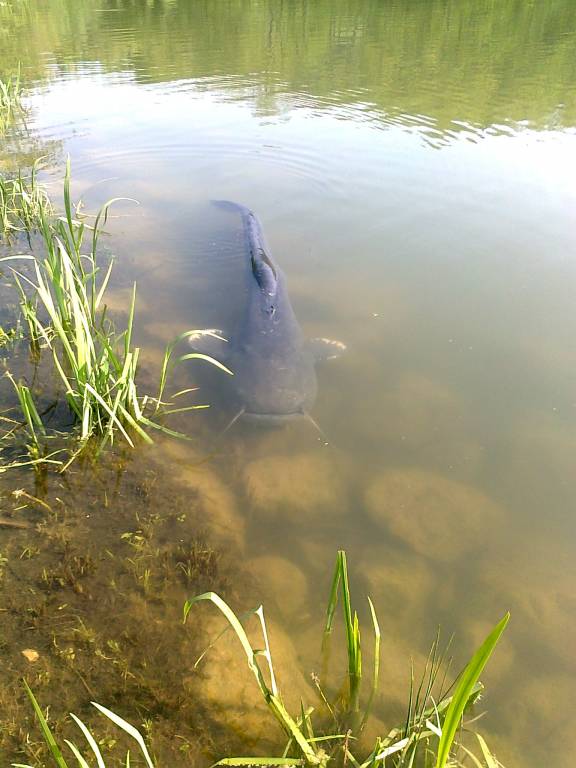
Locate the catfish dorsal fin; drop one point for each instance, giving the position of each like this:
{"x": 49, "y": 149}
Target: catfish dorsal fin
{"x": 265, "y": 274}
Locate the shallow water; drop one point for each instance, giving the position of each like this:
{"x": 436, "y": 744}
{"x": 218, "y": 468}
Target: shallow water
{"x": 413, "y": 167}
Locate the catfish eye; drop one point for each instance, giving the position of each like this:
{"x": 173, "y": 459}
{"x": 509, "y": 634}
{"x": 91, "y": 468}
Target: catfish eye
{"x": 272, "y": 310}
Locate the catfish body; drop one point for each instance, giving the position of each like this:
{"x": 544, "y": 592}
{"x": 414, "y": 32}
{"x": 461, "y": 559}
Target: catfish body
{"x": 272, "y": 363}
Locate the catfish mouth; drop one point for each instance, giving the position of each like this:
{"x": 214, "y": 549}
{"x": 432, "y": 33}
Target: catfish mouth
{"x": 271, "y": 419}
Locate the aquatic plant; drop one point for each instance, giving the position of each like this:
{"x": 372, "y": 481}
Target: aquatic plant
{"x": 431, "y": 723}
{"x": 56, "y": 751}
{"x": 62, "y": 302}
{"x": 23, "y": 202}
{"x": 8, "y": 337}
{"x": 10, "y": 101}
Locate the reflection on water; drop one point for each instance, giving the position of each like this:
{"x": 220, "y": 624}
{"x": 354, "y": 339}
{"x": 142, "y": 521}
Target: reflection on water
{"x": 410, "y": 165}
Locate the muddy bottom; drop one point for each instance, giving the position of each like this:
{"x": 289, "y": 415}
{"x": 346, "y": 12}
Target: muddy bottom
{"x": 91, "y": 598}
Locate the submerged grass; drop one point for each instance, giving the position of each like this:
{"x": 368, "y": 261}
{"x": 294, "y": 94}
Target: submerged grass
{"x": 428, "y": 738}
{"x": 80, "y": 761}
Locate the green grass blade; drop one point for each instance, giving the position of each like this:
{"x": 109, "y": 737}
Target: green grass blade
{"x": 463, "y": 691}
{"x": 76, "y": 752}
{"x": 352, "y": 636}
{"x": 491, "y": 761}
{"x": 292, "y": 730}
{"x": 91, "y": 741}
{"x": 238, "y": 629}
{"x": 476, "y": 763}
{"x": 376, "y": 667}
{"x": 128, "y": 728}
{"x": 134, "y": 424}
{"x": 333, "y": 599}
{"x": 46, "y": 732}
{"x": 110, "y": 413}
{"x": 128, "y": 334}
{"x": 274, "y": 703}
{"x": 103, "y": 286}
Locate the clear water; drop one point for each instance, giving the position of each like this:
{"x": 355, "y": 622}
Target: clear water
{"x": 413, "y": 166}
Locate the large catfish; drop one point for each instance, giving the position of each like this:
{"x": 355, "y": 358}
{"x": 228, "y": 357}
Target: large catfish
{"x": 272, "y": 362}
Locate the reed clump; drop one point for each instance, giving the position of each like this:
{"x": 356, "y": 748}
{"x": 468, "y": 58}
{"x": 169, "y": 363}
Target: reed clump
{"x": 62, "y": 300}
{"x": 10, "y": 101}
{"x": 327, "y": 732}
{"x": 24, "y": 203}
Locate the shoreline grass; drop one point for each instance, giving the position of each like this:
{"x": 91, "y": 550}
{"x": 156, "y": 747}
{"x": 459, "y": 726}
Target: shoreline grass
{"x": 10, "y": 101}
{"x": 63, "y": 305}
{"x": 23, "y": 203}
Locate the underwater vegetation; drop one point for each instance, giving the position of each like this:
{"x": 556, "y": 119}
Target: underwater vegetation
{"x": 62, "y": 302}
{"x": 432, "y": 734}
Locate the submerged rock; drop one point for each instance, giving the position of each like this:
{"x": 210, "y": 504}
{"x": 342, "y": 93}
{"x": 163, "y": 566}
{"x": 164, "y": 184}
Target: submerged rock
{"x": 218, "y": 508}
{"x": 305, "y": 486}
{"x": 228, "y": 687}
{"x": 280, "y": 583}
{"x": 437, "y": 517}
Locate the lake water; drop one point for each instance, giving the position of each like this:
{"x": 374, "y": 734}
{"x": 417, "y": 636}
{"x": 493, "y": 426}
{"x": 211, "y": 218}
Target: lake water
{"x": 413, "y": 165}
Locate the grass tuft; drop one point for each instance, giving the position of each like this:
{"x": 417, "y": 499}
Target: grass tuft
{"x": 62, "y": 303}
{"x": 23, "y": 203}
{"x": 430, "y": 727}
{"x": 10, "y": 101}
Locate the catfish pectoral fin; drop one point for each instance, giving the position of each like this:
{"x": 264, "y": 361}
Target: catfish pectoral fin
{"x": 325, "y": 349}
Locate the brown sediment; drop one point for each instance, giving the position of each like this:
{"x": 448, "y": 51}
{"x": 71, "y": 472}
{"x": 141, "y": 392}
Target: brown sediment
{"x": 415, "y": 410}
{"x": 536, "y": 469}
